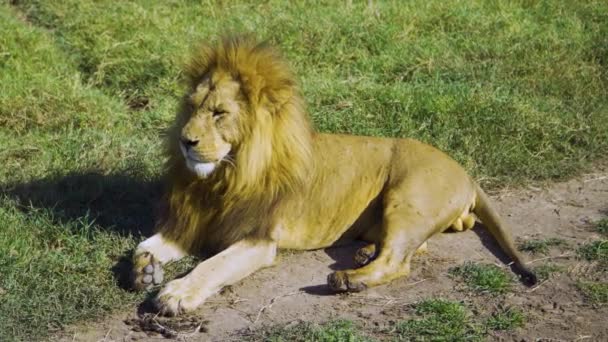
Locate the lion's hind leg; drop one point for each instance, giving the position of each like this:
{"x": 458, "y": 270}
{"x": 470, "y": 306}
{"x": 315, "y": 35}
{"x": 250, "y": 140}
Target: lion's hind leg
{"x": 389, "y": 265}
{"x": 403, "y": 235}
{"x": 366, "y": 254}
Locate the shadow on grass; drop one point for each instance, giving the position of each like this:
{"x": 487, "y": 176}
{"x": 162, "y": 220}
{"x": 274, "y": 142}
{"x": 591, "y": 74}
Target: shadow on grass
{"x": 116, "y": 203}
{"x": 492, "y": 245}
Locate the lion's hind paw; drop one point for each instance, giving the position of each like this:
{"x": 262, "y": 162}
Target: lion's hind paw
{"x": 340, "y": 281}
{"x": 365, "y": 255}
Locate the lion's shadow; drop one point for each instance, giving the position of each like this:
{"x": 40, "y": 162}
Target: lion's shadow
{"x": 118, "y": 203}
{"x": 122, "y": 204}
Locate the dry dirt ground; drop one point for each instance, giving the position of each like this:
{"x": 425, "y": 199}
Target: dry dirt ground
{"x": 294, "y": 290}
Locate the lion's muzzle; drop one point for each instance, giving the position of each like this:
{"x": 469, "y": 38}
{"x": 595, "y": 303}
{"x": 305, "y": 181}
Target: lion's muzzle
{"x": 201, "y": 168}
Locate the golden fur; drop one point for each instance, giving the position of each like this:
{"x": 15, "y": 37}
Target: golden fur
{"x": 246, "y": 174}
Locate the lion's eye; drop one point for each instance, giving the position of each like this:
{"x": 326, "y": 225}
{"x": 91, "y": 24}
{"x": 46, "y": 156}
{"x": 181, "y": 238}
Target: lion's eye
{"x": 218, "y": 113}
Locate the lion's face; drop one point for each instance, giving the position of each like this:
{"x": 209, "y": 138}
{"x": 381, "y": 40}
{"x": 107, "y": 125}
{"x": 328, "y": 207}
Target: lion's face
{"x": 212, "y": 129}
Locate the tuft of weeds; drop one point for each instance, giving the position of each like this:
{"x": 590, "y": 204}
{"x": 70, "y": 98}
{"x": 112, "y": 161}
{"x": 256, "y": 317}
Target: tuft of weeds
{"x": 547, "y": 270}
{"x": 335, "y": 331}
{"x": 505, "y": 319}
{"x": 595, "y": 251}
{"x": 602, "y": 226}
{"x": 439, "y": 320}
{"x": 483, "y": 277}
{"x": 541, "y": 246}
{"x": 595, "y": 292}
{"x": 179, "y": 268}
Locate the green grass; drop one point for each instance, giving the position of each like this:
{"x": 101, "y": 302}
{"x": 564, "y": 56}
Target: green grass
{"x": 595, "y": 292}
{"x": 439, "y": 320}
{"x": 541, "y": 246}
{"x": 602, "y": 226}
{"x": 335, "y": 331}
{"x": 506, "y": 319}
{"x": 515, "y": 91}
{"x": 547, "y": 270}
{"x": 483, "y": 278}
{"x": 53, "y": 274}
{"x": 595, "y": 251}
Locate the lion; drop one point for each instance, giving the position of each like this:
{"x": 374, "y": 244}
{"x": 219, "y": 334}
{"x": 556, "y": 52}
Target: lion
{"x": 246, "y": 174}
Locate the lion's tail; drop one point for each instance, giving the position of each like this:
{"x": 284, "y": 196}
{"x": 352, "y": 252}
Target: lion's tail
{"x": 490, "y": 218}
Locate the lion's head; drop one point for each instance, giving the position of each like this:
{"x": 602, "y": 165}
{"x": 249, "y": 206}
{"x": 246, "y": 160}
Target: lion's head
{"x": 243, "y": 115}
{"x": 242, "y": 137}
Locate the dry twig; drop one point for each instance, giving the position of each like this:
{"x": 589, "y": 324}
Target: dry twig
{"x": 565, "y": 255}
{"x": 272, "y": 301}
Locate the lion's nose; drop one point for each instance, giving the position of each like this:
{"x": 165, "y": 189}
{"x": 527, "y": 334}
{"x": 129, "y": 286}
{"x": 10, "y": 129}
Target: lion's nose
{"x": 189, "y": 143}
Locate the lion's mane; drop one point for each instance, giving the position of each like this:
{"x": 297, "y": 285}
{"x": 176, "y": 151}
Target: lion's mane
{"x": 271, "y": 162}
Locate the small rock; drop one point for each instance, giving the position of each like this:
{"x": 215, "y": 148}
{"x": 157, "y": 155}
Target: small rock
{"x": 547, "y": 308}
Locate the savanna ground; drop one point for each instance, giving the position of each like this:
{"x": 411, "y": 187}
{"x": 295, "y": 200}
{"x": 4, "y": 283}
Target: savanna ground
{"x": 516, "y": 91}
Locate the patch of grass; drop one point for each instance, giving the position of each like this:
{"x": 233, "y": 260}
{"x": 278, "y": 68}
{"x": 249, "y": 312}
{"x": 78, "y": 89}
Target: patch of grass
{"x": 595, "y": 292}
{"x": 545, "y": 271}
{"x": 514, "y": 91}
{"x": 180, "y": 267}
{"x": 54, "y": 274}
{"x": 51, "y": 124}
{"x": 483, "y": 277}
{"x": 336, "y": 331}
{"x": 541, "y": 246}
{"x": 506, "y": 319}
{"x": 438, "y": 320}
{"x": 595, "y": 251}
{"x": 57, "y": 250}
{"x": 602, "y": 226}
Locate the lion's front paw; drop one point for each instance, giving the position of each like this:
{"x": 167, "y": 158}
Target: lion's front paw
{"x": 177, "y": 298}
{"x": 340, "y": 281}
{"x": 147, "y": 271}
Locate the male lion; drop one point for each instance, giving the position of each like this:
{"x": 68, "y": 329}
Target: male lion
{"x": 246, "y": 174}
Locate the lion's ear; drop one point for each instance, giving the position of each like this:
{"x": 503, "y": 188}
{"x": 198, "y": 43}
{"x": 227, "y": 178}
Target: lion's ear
{"x": 274, "y": 98}
{"x": 262, "y": 95}
{"x": 251, "y": 87}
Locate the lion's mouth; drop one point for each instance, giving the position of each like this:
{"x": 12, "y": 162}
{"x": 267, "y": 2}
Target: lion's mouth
{"x": 200, "y": 168}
